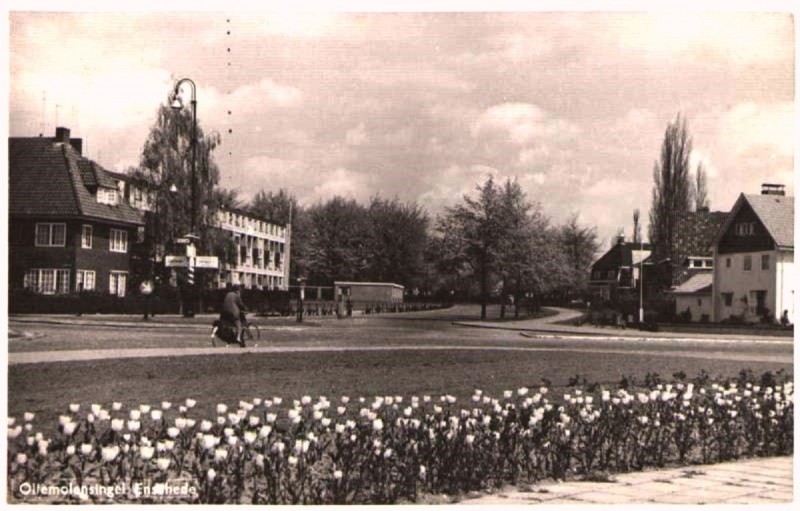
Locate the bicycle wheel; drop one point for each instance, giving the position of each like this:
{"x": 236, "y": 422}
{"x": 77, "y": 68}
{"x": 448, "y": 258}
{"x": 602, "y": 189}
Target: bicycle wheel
{"x": 254, "y": 331}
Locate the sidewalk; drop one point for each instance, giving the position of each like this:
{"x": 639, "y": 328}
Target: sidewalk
{"x": 547, "y": 327}
{"x": 752, "y": 481}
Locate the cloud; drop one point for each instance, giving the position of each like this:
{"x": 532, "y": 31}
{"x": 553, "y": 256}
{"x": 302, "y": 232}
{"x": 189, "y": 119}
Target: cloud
{"x": 339, "y": 181}
{"x": 522, "y": 123}
{"x": 768, "y": 126}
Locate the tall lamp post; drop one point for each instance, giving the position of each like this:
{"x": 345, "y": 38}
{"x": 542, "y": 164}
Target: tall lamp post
{"x": 177, "y": 104}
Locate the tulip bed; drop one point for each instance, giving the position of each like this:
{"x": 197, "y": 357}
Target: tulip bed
{"x": 390, "y": 449}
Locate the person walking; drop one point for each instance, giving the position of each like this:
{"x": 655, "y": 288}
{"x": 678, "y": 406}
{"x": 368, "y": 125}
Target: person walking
{"x": 146, "y": 290}
{"x": 232, "y": 308}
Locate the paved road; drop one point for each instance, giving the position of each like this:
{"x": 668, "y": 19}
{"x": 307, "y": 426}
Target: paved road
{"x": 70, "y": 338}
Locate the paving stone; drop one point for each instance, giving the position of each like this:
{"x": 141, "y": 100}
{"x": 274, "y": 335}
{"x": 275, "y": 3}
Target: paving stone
{"x": 599, "y": 497}
{"x": 656, "y": 488}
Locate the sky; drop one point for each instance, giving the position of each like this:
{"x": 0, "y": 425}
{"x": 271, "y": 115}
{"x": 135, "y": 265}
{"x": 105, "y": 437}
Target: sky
{"x": 424, "y": 106}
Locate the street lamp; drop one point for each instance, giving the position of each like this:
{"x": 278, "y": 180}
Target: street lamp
{"x": 177, "y": 104}
{"x": 302, "y": 282}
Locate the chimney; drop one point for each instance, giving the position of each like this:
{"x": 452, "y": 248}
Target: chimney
{"x": 62, "y": 137}
{"x": 621, "y": 239}
{"x": 772, "y": 189}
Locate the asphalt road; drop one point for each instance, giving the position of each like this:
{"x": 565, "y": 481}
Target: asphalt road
{"x": 66, "y": 338}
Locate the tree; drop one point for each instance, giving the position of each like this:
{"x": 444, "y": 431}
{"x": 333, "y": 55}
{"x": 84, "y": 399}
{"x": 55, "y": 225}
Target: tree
{"x": 671, "y": 195}
{"x": 337, "y": 236}
{"x": 397, "y": 237}
{"x": 580, "y": 248}
{"x": 700, "y": 188}
{"x": 276, "y": 207}
{"x": 166, "y": 165}
{"x": 473, "y": 232}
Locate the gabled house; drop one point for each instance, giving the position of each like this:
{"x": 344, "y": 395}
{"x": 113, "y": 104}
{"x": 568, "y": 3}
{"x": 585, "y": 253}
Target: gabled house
{"x": 69, "y": 230}
{"x": 617, "y": 270}
{"x": 754, "y": 274}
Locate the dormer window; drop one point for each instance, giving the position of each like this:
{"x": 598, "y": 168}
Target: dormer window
{"x": 107, "y": 196}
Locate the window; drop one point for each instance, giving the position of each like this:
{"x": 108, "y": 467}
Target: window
{"x": 86, "y": 236}
{"x": 118, "y": 241}
{"x": 748, "y": 262}
{"x": 107, "y": 196}
{"x": 745, "y": 229}
{"x": 728, "y": 299}
{"x": 47, "y": 280}
{"x": 727, "y": 262}
{"x": 85, "y": 277}
{"x": 51, "y": 235}
{"x": 765, "y": 261}
{"x": 117, "y": 282}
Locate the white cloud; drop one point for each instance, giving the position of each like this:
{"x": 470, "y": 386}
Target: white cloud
{"x": 522, "y": 123}
{"x": 770, "y": 126}
{"x": 340, "y": 181}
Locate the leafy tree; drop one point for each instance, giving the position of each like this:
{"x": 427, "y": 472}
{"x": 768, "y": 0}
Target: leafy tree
{"x": 700, "y": 188}
{"x": 671, "y": 189}
{"x": 473, "y": 231}
{"x": 337, "y": 237}
{"x": 579, "y": 248}
{"x": 165, "y": 164}
{"x": 396, "y": 242}
{"x": 277, "y": 207}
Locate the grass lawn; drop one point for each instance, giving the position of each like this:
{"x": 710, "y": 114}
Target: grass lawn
{"x": 47, "y": 388}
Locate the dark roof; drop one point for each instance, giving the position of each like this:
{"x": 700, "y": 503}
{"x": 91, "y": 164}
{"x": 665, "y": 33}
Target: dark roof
{"x": 619, "y": 255}
{"x": 776, "y": 213}
{"x": 48, "y": 178}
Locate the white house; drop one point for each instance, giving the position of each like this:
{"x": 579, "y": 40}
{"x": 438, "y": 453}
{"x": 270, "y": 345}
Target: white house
{"x": 754, "y": 258}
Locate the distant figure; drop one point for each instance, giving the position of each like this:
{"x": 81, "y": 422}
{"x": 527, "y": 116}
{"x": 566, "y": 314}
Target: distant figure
{"x": 785, "y": 318}
{"x": 80, "y": 298}
{"x": 146, "y": 289}
{"x": 232, "y": 308}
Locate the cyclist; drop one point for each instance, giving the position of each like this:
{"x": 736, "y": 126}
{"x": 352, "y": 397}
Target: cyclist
{"x": 233, "y": 309}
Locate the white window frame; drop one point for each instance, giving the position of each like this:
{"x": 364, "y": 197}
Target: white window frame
{"x": 87, "y": 277}
{"x": 115, "y": 277}
{"x": 747, "y": 263}
{"x": 107, "y": 196}
{"x": 87, "y": 233}
{"x": 765, "y": 262}
{"x": 745, "y": 229}
{"x": 47, "y": 281}
{"x": 51, "y": 238}
{"x": 118, "y": 240}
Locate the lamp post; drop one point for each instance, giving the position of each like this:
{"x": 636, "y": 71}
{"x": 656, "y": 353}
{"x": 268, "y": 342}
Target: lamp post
{"x": 641, "y": 283}
{"x": 302, "y": 282}
{"x": 177, "y": 104}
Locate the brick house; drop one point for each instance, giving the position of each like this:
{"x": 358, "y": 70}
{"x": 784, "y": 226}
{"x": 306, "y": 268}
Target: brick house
{"x": 68, "y": 228}
{"x": 616, "y": 273}
{"x": 754, "y": 273}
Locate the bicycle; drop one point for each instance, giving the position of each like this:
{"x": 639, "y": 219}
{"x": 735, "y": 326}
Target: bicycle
{"x": 224, "y": 331}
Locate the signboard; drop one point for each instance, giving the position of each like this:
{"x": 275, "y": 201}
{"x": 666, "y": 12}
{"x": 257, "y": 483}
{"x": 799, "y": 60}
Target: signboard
{"x": 182, "y": 241}
{"x": 172, "y": 261}
{"x": 206, "y": 262}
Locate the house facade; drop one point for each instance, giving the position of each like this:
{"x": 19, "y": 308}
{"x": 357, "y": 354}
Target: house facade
{"x": 618, "y": 270}
{"x": 754, "y": 276}
{"x": 69, "y": 230}
{"x": 263, "y": 247}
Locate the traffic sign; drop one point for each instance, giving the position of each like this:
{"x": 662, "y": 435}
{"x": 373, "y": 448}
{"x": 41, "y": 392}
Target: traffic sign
{"x": 206, "y": 262}
{"x": 172, "y": 261}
